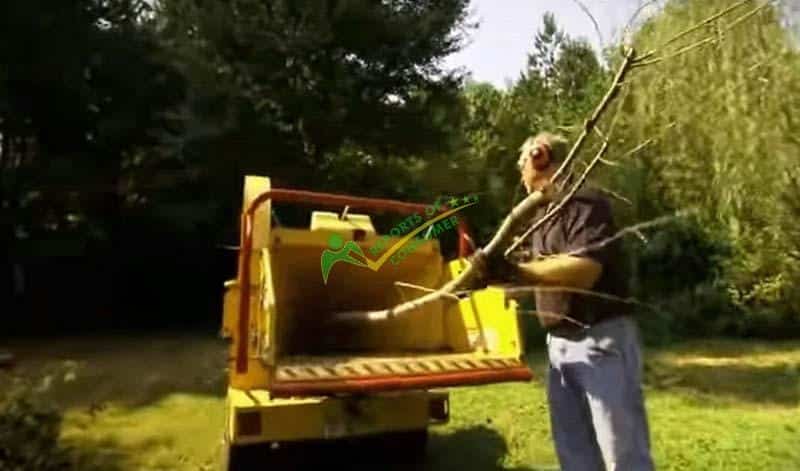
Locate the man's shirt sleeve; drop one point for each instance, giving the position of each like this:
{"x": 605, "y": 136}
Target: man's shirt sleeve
{"x": 589, "y": 225}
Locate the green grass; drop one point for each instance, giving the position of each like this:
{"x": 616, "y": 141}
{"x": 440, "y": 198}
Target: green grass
{"x": 156, "y": 404}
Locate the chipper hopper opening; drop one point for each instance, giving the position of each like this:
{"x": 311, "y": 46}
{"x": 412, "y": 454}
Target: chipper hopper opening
{"x": 285, "y": 339}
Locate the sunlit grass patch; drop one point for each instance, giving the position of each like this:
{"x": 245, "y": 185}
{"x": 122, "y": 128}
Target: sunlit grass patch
{"x": 713, "y": 405}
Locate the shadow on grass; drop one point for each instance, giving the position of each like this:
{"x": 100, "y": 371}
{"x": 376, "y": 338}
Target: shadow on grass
{"x": 767, "y": 385}
{"x": 103, "y": 454}
{"x": 478, "y": 448}
{"x": 474, "y": 449}
{"x": 128, "y": 370}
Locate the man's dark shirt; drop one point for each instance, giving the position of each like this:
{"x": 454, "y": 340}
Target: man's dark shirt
{"x": 584, "y": 222}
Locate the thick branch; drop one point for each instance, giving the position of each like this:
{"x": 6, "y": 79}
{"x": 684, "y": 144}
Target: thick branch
{"x": 522, "y": 212}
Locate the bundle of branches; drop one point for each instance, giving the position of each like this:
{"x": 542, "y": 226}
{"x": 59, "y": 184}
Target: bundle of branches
{"x": 563, "y": 185}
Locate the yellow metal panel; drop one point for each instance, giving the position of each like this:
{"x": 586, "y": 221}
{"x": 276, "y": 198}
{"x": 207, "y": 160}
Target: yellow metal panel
{"x": 491, "y": 323}
{"x": 323, "y": 220}
{"x": 267, "y": 311}
{"x": 283, "y": 236}
{"x": 230, "y": 306}
{"x": 304, "y": 300}
{"x": 257, "y": 374}
{"x": 329, "y": 417}
{"x": 253, "y": 187}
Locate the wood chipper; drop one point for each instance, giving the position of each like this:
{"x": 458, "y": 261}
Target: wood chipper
{"x": 295, "y": 377}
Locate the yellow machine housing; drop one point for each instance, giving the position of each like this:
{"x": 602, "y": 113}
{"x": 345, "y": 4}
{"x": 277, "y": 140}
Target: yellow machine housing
{"x": 307, "y": 378}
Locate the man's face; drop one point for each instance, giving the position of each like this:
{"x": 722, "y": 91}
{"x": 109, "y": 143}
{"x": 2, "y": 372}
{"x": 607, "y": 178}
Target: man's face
{"x": 530, "y": 155}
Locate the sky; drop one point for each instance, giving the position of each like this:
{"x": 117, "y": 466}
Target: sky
{"x": 497, "y": 50}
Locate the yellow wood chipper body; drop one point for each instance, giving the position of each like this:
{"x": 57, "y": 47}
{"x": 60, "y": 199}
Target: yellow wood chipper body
{"x": 294, "y": 375}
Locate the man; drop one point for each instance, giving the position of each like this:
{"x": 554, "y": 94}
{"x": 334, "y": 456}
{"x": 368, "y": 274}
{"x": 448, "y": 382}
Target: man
{"x": 597, "y": 413}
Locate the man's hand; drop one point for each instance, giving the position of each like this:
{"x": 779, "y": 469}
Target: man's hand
{"x": 495, "y": 267}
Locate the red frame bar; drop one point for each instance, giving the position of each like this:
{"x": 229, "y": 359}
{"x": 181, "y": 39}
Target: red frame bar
{"x": 317, "y": 199}
{"x": 394, "y": 383}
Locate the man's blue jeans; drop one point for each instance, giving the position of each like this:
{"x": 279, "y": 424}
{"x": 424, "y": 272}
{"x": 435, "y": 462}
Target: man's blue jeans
{"x": 597, "y": 412}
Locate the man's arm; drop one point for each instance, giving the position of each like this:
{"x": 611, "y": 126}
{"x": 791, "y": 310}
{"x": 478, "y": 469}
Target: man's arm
{"x": 561, "y": 270}
{"x": 587, "y": 223}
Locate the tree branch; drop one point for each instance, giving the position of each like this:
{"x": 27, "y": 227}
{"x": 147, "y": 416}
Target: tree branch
{"x": 641, "y": 62}
{"x": 522, "y": 212}
{"x": 526, "y": 209}
{"x": 708, "y": 20}
{"x": 586, "y": 10}
{"x": 523, "y": 291}
{"x": 636, "y": 228}
{"x": 589, "y": 124}
{"x": 553, "y": 315}
{"x": 427, "y": 290}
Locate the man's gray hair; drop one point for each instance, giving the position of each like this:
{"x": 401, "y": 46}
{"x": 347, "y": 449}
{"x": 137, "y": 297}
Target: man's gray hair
{"x": 558, "y": 145}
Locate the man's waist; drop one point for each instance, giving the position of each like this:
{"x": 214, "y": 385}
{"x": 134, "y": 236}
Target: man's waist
{"x": 570, "y": 327}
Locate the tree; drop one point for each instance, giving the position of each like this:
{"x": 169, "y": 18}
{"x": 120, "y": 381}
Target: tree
{"x": 310, "y": 76}
{"x": 723, "y": 115}
{"x": 84, "y": 91}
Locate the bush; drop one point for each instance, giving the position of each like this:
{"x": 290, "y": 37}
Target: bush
{"x": 29, "y": 430}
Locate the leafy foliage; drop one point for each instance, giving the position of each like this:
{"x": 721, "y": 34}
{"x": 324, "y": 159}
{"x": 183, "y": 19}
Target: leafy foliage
{"x": 727, "y": 150}
{"x": 29, "y": 431}
{"x": 126, "y": 129}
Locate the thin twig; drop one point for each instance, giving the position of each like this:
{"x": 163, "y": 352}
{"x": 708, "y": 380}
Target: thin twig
{"x": 610, "y": 163}
{"x": 640, "y": 62}
{"x": 747, "y": 15}
{"x": 553, "y": 315}
{"x": 631, "y": 229}
{"x": 592, "y": 121}
{"x": 637, "y": 148}
{"x": 593, "y": 20}
{"x": 641, "y": 236}
{"x": 427, "y": 290}
{"x": 677, "y": 53}
{"x": 704, "y": 22}
{"x": 613, "y": 194}
{"x": 600, "y": 133}
{"x": 516, "y": 291}
{"x": 629, "y": 23}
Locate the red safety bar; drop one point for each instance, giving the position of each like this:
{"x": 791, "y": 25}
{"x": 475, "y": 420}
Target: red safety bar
{"x": 391, "y": 383}
{"x": 317, "y": 199}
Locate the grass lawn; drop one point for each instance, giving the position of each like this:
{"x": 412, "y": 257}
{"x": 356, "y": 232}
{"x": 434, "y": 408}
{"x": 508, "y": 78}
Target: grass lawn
{"x": 155, "y": 403}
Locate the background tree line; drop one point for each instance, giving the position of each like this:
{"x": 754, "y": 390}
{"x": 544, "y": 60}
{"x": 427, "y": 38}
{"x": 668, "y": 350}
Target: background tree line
{"x": 126, "y": 128}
